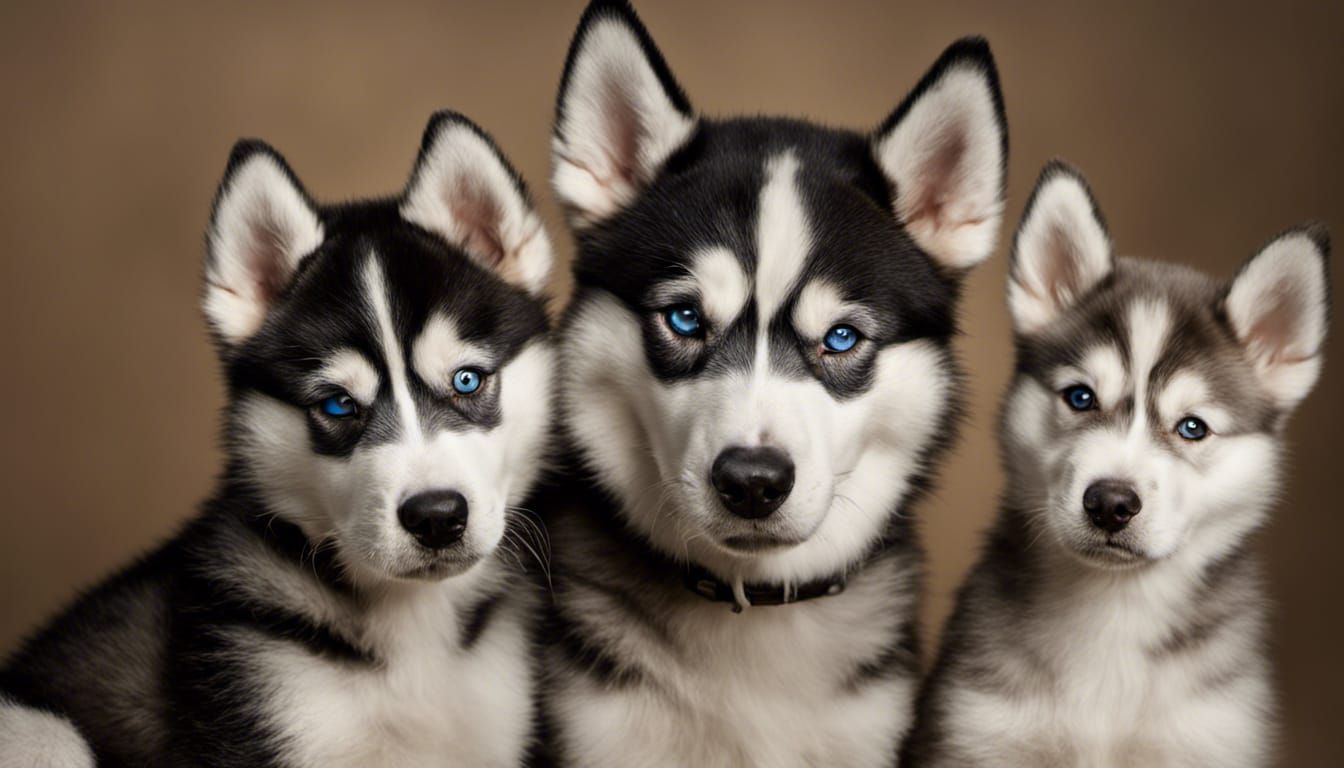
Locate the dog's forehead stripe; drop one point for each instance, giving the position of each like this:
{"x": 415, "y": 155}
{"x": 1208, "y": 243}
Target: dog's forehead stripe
{"x": 783, "y": 237}
{"x": 375, "y": 289}
{"x": 1149, "y": 323}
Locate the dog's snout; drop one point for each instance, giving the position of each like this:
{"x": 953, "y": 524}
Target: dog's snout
{"x": 1110, "y": 504}
{"x": 752, "y": 482}
{"x": 436, "y": 519}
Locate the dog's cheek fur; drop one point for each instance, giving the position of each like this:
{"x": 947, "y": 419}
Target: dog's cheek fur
{"x": 603, "y": 363}
{"x": 30, "y": 737}
{"x": 273, "y": 441}
{"x": 1229, "y": 489}
{"x": 326, "y": 497}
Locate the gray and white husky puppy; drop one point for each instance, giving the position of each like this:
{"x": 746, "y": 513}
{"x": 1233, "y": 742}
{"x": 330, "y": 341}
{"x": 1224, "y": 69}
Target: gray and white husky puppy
{"x": 1117, "y": 615}
{"x": 756, "y": 381}
{"x": 343, "y": 599}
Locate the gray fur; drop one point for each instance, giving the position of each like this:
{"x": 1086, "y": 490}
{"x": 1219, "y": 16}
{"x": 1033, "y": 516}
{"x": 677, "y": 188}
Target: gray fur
{"x": 1073, "y": 647}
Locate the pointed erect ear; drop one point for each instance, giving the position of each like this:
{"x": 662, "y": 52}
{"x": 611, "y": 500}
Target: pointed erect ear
{"x": 1061, "y": 250}
{"x": 620, "y": 114}
{"x": 463, "y": 190}
{"x": 263, "y": 225}
{"x": 945, "y": 152}
{"x": 1279, "y": 306}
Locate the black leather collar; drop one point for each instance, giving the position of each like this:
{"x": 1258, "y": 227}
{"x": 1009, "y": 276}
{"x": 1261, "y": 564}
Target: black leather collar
{"x": 710, "y": 587}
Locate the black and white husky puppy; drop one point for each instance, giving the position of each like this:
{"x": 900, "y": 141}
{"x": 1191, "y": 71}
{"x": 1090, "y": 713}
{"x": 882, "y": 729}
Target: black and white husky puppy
{"x": 756, "y": 377}
{"x": 1117, "y": 617}
{"x": 344, "y": 598}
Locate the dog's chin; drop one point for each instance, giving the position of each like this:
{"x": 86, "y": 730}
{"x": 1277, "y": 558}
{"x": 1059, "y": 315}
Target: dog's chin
{"x": 743, "y": 539}
{"x": 748, "y": 545}
{"x": 1109, "y": 555}
{"x": 437, "y": 566}
{"x": 740, "y": 539}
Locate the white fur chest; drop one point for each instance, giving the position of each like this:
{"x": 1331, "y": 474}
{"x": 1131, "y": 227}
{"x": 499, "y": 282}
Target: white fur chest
{"x": 1104, "y": 699}
{"x": 769, "y": 687}
{"x": 430, "y": 703}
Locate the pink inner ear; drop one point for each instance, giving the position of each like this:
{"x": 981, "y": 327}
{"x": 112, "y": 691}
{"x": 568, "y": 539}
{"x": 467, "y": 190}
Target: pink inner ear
{"x": 626, "y": 133}
{"x": 1272, "y": 331}
{"x": 478, "y": 216}
{"x": 939, "y": 175}
{"x": 1062, "y": 275}
{"x": 269, "y": 255}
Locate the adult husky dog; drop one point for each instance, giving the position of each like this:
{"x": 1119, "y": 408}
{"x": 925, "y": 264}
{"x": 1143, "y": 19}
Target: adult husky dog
{"x": 1116, "y": 617}
{"x": 756, "y": 378}
{"x": 343, "y": 598}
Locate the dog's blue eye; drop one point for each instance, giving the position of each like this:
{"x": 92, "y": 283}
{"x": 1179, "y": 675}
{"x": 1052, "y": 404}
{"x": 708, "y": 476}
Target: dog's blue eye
{"x": 1192, "y": 428}
{"x": 339, "y": 406}
{"x": 841, "y": 338}
{"x": 466, "y": 381}
{"x": 683, "y": 319}
{"x": 1080, "y": 398}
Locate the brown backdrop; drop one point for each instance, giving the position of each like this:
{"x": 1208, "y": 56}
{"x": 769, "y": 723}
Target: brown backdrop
{"x": 1203, "y": 132}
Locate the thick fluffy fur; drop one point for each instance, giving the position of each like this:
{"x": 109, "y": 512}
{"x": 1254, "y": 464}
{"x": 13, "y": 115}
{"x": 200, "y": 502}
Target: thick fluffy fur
{"x": 773, "y": 232}
{"x": 296, "y": 621}
{"x": 1076, "y": 645}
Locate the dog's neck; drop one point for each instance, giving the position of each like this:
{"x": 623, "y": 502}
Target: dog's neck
{"x": 1167, "y": 590}
{"x": 713, "y": 581}
{"x": 273, "y": 567}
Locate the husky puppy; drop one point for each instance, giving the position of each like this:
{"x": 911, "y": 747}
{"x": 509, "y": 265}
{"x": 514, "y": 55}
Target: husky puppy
{"x": 342, "y": 599}
{"x": 1117, "y": 616}
{"x": 756, "y": 380}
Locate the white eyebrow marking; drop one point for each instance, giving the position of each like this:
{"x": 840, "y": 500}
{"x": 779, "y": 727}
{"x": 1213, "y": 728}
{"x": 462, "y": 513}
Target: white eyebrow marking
{"x": 439, "y": 352}
{"x": 820, "y": 306}
{"x": 376, "y": 290}
{"x": 1188, "y": 394}
{"x": 817, "y": 307}
{"x": 349, "y": 370}
{"x": 722, "y": 284}
{"x": 1102, "y": 369}
{"x": 717, "y": 279}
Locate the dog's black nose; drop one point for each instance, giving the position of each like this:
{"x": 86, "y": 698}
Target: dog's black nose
{"x": 1110, "y": 504}
{"x": 436, "y": 519}
{"x": 752, "y": 482}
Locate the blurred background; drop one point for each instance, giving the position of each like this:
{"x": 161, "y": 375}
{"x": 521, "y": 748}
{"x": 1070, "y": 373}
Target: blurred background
{"x": 1204, "y": 128}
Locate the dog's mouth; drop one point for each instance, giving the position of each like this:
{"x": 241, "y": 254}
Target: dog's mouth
{"x": 1113, "y": 554}
{"x": 441, "y": 565}
{"x": 756, "y": 543}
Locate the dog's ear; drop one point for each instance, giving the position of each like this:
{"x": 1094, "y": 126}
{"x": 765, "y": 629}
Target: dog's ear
{"x": 619, "y": 117}
{"x": 1279, "y": 307}
{"x": 465, "y": 191}
{"x": 1061, "y": 250}
{"x": 944, "y": 151}
{"x": 262, "y": 226}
